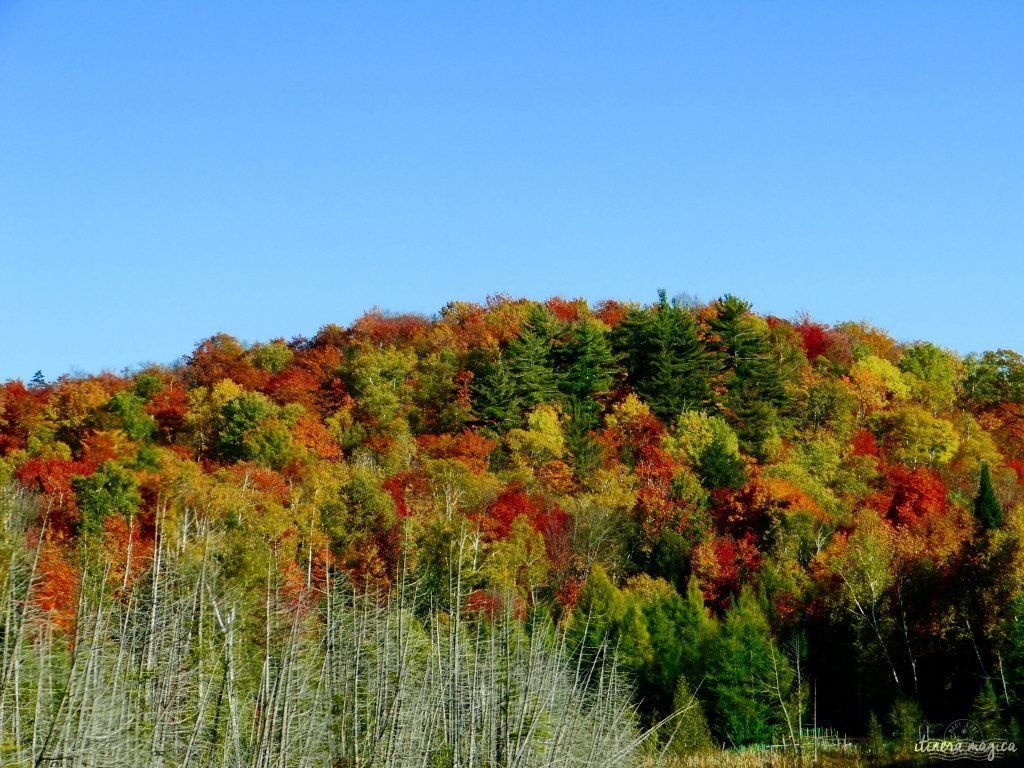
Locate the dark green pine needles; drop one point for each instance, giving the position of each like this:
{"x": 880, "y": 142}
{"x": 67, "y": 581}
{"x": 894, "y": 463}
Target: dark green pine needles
{"x": 987, "y": 508}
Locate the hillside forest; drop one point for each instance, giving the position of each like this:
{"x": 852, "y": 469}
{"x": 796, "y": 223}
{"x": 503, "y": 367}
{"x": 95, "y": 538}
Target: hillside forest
{"x": 516, "y": 533}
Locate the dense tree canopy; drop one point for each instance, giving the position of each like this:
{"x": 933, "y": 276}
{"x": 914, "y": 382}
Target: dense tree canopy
{"x": 746, "y": 508}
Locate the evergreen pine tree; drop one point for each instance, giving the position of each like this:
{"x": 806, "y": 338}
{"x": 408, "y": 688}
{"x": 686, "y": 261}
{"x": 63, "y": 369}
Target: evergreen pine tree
{"x": 987, "y": 508}
{"x": 745, "y": 675}
{"x": 530, "y": 364}
{"x": 584, "y": 416}
{"x": 985, "y": 712}
{"x": 906, "y": 719}
{"x": 586, "y": 361}
{"x": 495, "y": 397}
{"x": 690, "y": 734}
{"x": 874, "y": 743}
{"x": 754, "y": 385}
{"x": 665, "y": 358}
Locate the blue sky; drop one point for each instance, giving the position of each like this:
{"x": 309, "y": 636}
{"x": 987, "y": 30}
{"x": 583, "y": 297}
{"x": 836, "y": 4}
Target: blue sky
{"x": 169, "y": 170}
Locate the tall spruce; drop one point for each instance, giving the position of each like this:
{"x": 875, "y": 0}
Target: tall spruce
{"x": 494, "y": 396}
{"x": 987, "y": 508}
{"x": 530, "y": 361}
{"x": 754, "y": 387}
{"x": 667, "y": 363}
{"x": 586, "y": 361}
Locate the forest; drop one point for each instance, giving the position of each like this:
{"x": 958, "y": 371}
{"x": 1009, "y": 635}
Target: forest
{"x": 517, "y": 533}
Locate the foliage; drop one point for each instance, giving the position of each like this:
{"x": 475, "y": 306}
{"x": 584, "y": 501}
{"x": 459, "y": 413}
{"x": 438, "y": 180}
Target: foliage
{"x": 735, "y": 508}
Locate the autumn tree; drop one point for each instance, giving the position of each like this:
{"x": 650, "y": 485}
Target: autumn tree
{"x": 109, "y": 490}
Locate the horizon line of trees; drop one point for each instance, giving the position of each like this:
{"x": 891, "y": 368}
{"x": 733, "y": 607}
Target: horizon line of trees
{"x": 748, "y": 509}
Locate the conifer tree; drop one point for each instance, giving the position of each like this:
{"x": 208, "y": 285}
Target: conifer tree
{"x": 587, "y": 360}
{"x": 746, "y": 676}
{"x": 666, "y": 361}
{"x": 495, "y": 397}
{"x": 690, "y": 733}
{"x": 583, "y": 417}
{"x": 985, "y": 712}
{"x": 530, "y": 365}
{"x": 754, "y": 386}
{"x": 874, "y": 742}
{"x": 987, "y": 508}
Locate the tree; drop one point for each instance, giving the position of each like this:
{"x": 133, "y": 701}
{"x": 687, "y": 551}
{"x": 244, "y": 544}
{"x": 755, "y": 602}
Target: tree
{"x": 109, "y": 490}
{"x": 667, "y": 363}
{"x": 994, "y": 378}
{"x": 494, "y": 396}
{"x": 689, "y": 733}
{"x": 937, "y": 375}
{"x": 586, "y": 361}
{"x": 442, "y": 392}
{"x": 874, "y": 742}
{"x": 597, "y": 615}
{"x": 748, "y": 677}
{"x": 916, "y": 437}
{"x": 530, "y": 364}
{"x": 239, "y": 421}
{"x": 755, "y": 390}
{"x": 987, "y": 509}
{"x": 906, "y": 719}
{"x": 130, "y": 409}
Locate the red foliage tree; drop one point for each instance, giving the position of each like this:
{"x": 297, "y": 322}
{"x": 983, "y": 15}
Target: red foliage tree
{"x": 611, "y": 313}
{"x": 169, "y": 407}
{"x": 52, "y": 478}
{"x": 566, "y": 310}
{"x": 545, "y": 517}
{"x": 863, "y": 443}
{"x": 268, "y": 483}
{"x": 911, "y": 495}
{"x": 816, "y": 337}
{"x": 294, "y": 385}
{"x": 223, "y": 357}
{"x": 312, "y": 435}
{"x": 58, "y": 582}
{"x": 380, "y": 330}
{"x": 469, "y": 447}
{"x": 20, "y": 406}
{"x": 724, "y": 564}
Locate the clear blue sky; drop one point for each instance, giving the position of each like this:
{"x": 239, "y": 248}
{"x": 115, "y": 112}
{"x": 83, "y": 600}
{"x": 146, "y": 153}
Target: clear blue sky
{"x": 173, "y": 169}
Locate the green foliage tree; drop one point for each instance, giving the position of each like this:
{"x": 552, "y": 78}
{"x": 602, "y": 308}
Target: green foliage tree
{"x": 130, "y": 409}
{"x": 110, "y": 490}
{"x": 240, "y": 419}
{"x": 993, "y": 378}
{"x": 987, "y": 509}
{"x": 906, "y": 719}
{"x": 586, "y": 454}
{"x": 586, "y": 361}
{"x": 986, "y": 712}
{"x": 272, "y": 358}
{"x": 439, "y": 396}
{"x": 747, "y": 676}
{"x": 666, "y": 361}
{"x": 755, "y": 390}
{"x": 530, "y": 362}
{"x": 689, "y": 732}
{"x": 382, "y": 382}
{"x": 598, "y": 614}
{"x": 937, "y": 375}
{"x": 495, "y": 397}
{"x": 874, "y": 742}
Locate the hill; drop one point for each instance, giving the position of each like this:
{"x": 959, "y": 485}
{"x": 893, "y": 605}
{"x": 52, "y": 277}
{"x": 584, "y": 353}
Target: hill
{"x": 760, "y": 515}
